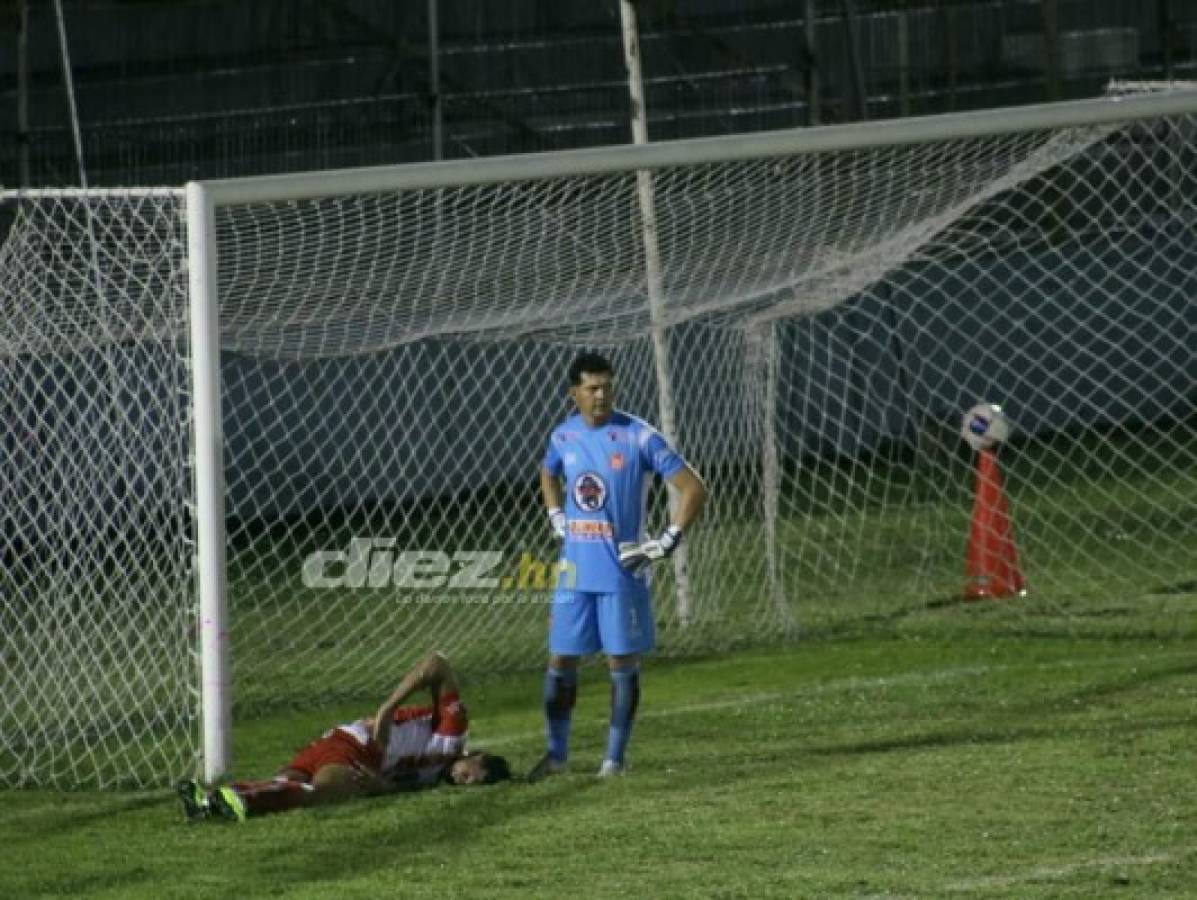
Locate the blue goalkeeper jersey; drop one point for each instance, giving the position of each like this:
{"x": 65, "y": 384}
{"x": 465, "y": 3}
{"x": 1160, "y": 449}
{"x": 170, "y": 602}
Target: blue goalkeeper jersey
{"x": 607, "y": 472}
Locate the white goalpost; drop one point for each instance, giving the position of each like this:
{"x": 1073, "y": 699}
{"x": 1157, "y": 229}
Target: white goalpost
{"x": 654, "y": 286}
{"x": 264, "y": 440}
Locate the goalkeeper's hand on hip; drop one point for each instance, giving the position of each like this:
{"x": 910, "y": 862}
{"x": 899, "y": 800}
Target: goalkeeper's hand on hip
{"x": 635, "y": 557}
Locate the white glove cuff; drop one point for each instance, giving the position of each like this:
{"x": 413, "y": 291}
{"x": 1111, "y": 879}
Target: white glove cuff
{"x": 670, "y": 537}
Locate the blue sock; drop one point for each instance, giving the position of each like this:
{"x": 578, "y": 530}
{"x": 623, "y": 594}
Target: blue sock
{"x": 560, "y": 694}
{"x": 625, "y": 697}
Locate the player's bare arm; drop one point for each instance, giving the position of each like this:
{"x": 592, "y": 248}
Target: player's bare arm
{"x": 553, "y": 496}
{"x": 433, "y": 673}
{"x": 691, "y": 497}
{"x": 550, "y": 490}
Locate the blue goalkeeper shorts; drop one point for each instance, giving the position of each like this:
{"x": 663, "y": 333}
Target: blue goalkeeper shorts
{"x": 617, "y": 624}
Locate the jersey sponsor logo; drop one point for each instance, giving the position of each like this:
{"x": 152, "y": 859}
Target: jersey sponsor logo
{"x": 591, "y": 529}
{"x": 590, "y": 492}
{"x": 616, "y": 461}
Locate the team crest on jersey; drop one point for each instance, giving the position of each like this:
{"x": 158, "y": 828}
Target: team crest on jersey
{"x": 590, "y": 492}
{"x": 616, "y": 461}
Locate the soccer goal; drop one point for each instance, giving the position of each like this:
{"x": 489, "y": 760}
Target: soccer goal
{"x": 263, "y": 441}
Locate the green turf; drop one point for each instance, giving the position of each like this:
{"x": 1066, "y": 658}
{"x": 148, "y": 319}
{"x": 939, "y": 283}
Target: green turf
{"x": 896, "y": 766}
{"x": 907, "y": 744}
{"x": 869, "y": 548}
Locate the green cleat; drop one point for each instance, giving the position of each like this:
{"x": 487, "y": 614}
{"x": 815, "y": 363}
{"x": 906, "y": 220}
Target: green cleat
{"x": 194, "y": 800}
{"x": 226, "y": 803}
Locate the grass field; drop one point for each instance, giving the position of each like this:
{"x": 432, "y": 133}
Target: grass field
{"x": 908, "y": 744}
{"x": 870, "y": 766}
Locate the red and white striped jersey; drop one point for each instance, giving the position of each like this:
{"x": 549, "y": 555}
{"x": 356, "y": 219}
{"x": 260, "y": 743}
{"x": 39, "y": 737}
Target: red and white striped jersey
{"x": 424, "y": 739}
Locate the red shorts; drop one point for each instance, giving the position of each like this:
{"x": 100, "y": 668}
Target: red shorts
{"x": 333, "y": 749}
{"x": 338, "y": 748}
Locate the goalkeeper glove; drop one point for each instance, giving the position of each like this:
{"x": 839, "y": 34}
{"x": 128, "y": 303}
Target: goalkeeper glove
{"x": 557, "y": 520}
{"x": 635, "y": 557}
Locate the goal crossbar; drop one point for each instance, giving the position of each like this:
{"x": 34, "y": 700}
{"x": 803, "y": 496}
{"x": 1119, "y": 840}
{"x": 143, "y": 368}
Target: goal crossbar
{"x": 700, "y": 151}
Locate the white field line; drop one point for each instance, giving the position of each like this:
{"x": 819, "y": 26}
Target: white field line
{"x": 1051, "y": 873}
{"x": 844, "y": 685}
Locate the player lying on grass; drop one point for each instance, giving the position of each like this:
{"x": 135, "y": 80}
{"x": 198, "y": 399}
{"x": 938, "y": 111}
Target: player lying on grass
{"x": 399, "y": 748}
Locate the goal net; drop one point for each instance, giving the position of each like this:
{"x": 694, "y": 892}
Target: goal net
{"x": 392, "y": 354}
{"x": 98, "y": 675}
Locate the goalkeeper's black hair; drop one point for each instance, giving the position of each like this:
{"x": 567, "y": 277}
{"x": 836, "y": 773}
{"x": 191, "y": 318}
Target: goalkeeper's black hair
{"x": 589, "y": 362}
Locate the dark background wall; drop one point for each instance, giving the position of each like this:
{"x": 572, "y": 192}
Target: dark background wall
{"x": 170, "y": 91}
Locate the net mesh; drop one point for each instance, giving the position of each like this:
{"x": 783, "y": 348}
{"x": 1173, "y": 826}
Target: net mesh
{"x": 393, "y": 363}
{"x": 98, "y": 673}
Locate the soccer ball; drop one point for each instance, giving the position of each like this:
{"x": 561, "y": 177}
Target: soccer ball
{"x": 985, "y": 426}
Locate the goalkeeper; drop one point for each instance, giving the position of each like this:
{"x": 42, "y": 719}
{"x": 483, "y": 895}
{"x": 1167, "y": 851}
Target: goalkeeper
{"x": 399, "y": 748}
{"x": 594, "y": 482}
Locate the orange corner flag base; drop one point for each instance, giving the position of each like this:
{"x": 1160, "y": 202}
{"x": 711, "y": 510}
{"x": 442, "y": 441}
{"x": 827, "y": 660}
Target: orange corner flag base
{"x": 992, "y": 566}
